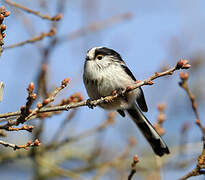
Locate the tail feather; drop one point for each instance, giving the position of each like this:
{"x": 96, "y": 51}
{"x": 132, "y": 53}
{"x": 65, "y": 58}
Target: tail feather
{"x": 154, "y": 139}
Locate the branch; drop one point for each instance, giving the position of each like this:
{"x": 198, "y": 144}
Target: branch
{"x": 158, "y": 125}
{"x": 133, "y": 167}
{"x": 182, "y": 64}
{"x": 3, "y": 14}
{"x": 24, "y": 127}
{"x": 50, "y": 99}
{"x": 26, "y": 113}
{"x": 33, "y": 39}
{"x": 199, "y": 169}
{"x": 54, "y": 18}
{"x": 26, "y": 146}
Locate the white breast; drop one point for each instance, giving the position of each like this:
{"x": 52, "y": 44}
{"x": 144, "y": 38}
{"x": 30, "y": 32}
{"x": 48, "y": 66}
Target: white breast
{"x": 111, "y": 78}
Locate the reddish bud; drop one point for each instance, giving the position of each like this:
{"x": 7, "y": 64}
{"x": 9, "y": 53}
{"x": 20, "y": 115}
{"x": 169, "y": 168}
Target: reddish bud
{"x": 1, "y": 17}
{"x": 114, "y": 92}
{"x": 58, "y": 17}
{"x": 65, "y": 82}
{"x": 7, "y": 13}
{"x": 46, "y": 101}
{"x": 79, "y": 95}
{"x": 29, "y": 143}
{"x": 179, "y": 64}
{"x": 37, "y": 143}
{"x": 161, "y": 107}
{"x": 132, "y": 141}
{"x": 2, "y": 9}
{"x": 135, "y": 159}
{"x": 39, "y": 105}
{"x": 3, "y": 27}
{"x": 30, "y": 128}
{"x": 3, "y": 35}
{"x": 23, "y": 108}
{"x": 183, "y": 64}
{"x": 161, "y": 118}
{"x": 31, "y": 86}
{"x": 198, "y": 122}
{"x": 184, "y": 76}
{"x": 186, "y": 66}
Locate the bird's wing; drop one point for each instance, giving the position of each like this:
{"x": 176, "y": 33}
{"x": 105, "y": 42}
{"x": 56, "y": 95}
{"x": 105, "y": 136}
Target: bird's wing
{"x": 141, "y": 99}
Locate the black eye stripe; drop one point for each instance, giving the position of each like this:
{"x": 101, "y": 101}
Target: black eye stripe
{"x": 107, "y": 52}
{"x": 97, "y": 52}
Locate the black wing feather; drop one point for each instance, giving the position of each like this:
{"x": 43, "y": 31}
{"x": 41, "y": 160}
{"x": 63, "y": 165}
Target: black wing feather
{"x": 141, "y": 99}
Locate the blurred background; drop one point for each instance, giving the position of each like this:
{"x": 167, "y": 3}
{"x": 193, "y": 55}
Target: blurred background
{"x": 150, "y": 36}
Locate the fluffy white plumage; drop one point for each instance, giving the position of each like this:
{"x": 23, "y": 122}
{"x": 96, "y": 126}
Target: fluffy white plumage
{"x": 105, "y": 72}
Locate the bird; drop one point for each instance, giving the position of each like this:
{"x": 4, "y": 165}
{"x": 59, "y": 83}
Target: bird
{"x": 105, "y": 72}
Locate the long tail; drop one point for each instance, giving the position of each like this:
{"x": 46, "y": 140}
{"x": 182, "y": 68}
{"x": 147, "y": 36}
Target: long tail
{"x": 154, "y": 139}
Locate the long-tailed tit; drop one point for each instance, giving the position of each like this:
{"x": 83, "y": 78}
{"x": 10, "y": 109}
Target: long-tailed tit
{"x": 105, "y": 72}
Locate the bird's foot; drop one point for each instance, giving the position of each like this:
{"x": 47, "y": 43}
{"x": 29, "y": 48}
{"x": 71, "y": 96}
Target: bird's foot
{"x": 118, "y": 91}
{"x": 89, "y": 104}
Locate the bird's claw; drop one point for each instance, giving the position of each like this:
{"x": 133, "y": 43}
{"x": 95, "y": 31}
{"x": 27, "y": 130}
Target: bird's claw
{"x": 89, "y": 104}
{"x": 121, "y": 93}
{"x": 118, "y": 91}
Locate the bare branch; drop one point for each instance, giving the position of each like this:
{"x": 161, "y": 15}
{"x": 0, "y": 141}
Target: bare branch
{"x": 3, "y": 14}
{"x": 199, "y": 169}
{"x": 26, "y": 146}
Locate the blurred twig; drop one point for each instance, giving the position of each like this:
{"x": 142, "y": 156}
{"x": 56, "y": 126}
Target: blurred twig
{"x": 95, "y": 26}
{"x": 199, "y": 169}
{"x": 108, "y": 121}
{"x": 33, "y": 39}
{"x": 54, "y": 18}
{"x": 133, "y": 167}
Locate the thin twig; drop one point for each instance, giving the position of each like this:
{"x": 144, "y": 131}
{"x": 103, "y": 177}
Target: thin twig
{"x": 33, "y": 39}
{"x": 133, "y": 167}
{"x": 26, "y": 146}
{"x": 50, "y": 99}
{"x": 95, "y": 26}
{"x": 3, "y": 14}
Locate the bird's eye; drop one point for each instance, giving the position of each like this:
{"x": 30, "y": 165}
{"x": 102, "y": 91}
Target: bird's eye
{"x": 99, "y": 57}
